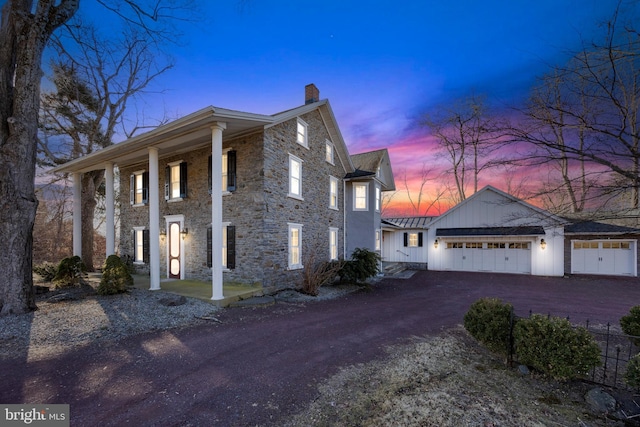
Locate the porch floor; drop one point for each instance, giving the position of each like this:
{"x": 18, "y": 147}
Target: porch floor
{"x": 201, "y": 290}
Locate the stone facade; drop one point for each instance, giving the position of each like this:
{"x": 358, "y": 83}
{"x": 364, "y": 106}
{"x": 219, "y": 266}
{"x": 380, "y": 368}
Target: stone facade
{"x": 259, "y": 208}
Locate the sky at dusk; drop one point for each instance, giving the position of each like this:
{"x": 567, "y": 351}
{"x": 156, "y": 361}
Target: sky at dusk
{"x": 381, "y": 64}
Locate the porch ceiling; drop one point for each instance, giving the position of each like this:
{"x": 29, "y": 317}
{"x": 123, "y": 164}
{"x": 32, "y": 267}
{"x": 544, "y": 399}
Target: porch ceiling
{"x": 185, "y": 134}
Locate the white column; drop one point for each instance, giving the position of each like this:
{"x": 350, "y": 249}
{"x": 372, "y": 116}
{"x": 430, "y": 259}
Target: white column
{"x": 77, "y": 214}
{"x": 154, "y": 221}
{"x": 216, "y": 210}
{"x": 111, "y": 210}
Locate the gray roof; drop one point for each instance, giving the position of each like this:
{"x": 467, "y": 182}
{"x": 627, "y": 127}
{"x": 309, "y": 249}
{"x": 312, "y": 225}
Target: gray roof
{"x": 409, "y": 222}
{"x": 368, "y": 162}
{"x": 490, "y": 231}
{"x": 593, "y": 227}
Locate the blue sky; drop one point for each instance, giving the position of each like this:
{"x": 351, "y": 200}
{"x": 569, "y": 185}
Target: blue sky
{"x": 382, "y": 64}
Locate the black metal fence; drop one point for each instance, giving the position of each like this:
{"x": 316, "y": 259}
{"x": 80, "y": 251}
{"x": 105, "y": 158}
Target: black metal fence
{"x": 616, "y": 350}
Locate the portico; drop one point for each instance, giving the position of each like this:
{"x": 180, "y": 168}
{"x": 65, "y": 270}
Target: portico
{"x": 203, "y": 128}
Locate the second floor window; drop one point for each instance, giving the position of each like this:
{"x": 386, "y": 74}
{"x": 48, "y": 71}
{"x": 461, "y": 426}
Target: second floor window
{"x": 377, "y": 199}
{"x": 228, "y": 171}
{"x": 333, "y": 192}
{"x": 139, "y": 188}
{"x": 360, "y": 197}
{"x": 175, "y": 184}
{"x": 295, "y": 177}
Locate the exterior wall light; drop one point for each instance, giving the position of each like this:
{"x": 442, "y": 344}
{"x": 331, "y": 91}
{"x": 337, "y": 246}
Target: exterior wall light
{"x": 435, "y": 244}
{"x": 543, "y": 244}
{"x": 163, "y": 233}
{"x": 184, "y": 233}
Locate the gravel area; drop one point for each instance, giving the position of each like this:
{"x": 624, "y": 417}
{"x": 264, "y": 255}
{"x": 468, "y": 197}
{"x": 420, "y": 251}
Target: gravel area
{"x": 77, "y": 316}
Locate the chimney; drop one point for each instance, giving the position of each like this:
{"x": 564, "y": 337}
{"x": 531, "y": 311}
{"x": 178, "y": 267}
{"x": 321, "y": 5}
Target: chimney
{"x": 311, "y": 94}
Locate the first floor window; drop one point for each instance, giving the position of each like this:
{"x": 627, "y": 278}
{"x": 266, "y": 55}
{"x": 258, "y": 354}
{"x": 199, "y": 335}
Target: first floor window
{"x": 228, "y": 246}
{"x": 377, "y": 240}
{"x": 377, "y": 199}
{"x": 295, "y": 246}
{"x": 140, "y": 245}
{"x": 413, "y": 239}
{"x": 333, "y": 243}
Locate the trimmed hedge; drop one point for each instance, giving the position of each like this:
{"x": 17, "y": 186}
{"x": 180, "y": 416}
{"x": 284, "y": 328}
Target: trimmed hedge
{"x": 489, "y": 321}
{"x": 554, "y": 347}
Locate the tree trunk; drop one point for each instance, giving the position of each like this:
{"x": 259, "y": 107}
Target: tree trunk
{"x": 23, "y": 36}
{"x": 90, "y": 183}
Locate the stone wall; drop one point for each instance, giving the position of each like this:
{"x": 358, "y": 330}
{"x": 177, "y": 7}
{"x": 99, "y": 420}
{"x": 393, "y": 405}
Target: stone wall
{"x": 259, "y": 208}
{"x": 313, "y": 212}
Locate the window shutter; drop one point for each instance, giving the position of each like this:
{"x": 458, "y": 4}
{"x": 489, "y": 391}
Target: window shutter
{"x": 183, "y": 180}
{"x": 209, "y": 173}
{"x": 209, "y": 249}
{"x": 231, "y": 171}
{"x": 132, "y": 189}
{"x": 167, "y": 182}
{"x": 231, "y": 247}
{"x": 420, "y": 239}
{"x": 145, "y": 246}
{"x": 133, "y": 244}
{"x": 145, "y": 187}
{"x": 406, "y": 240}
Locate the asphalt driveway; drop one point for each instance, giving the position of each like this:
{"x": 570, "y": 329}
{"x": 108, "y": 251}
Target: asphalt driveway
{"x": 261, "y": 364}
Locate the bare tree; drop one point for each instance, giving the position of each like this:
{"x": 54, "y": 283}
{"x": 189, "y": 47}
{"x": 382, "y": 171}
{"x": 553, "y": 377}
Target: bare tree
{"x": 418, "y": 198}
{"x": 25, "y": 30}
{"x": 584, "y": 120}
{"x": 95, "y": 80}
{"x": 465, "y": 133}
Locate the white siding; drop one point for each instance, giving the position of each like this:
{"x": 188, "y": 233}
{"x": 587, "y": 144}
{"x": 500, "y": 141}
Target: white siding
{"x": 393, "y": 249}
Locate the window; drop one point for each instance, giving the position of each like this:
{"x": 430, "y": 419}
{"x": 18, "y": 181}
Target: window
{"x": 377, "y": 240}
{"x": 228, "y": 246}
{"x": 139, "y": 188}
{"x": 455, "y": 245}
{"x": 329, "y": 152}
{"x": 295, "y": 177}
{"x": 175, "y": 183}
{"x": 496, "y": 245}
{"x": 295, "y": 247}
{"x": 377, "y": 199}
{"x": 228, "y": 171}
{"x": 360, "y": 197}
{"x": 140, "y": 245}
{"x": 333, "y": 192}
{"x": 414, "y": 240}
{"x": 474, "y": 245}
{"x": 333, "y": 243}
{"x": 301, "y": 137}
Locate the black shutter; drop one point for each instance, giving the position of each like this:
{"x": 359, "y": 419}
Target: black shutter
{"x": 231, "y": 171}
{"x": 132, "y": 189}
{"x": 420, "y": 239}
{"x": 183, "y": 180}
{"x": 145, "y": 187}
{"x": 209, "y": 249}
{"x": 209, "y": 173}
{"x": 231, "y": 247}
{"x": 133, "y": 243}
{"x": 167, "y": 182}
{"x": 406, "y": 240}
{"x": 145, "y": 246}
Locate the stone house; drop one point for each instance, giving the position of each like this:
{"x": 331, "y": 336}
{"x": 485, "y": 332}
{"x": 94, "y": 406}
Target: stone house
{"x": 224, "y": 195}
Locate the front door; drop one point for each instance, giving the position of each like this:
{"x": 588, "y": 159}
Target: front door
{"x": 174, "y": 250}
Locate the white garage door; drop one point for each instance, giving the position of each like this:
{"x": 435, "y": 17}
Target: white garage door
{"x": 501, "y": 257}
{"x": 603, "y": 257}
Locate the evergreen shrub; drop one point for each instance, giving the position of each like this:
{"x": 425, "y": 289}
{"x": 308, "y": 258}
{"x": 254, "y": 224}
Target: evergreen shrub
{"x": 116, "y": 278}
{"x": 631, "y": 324}
{"x": 488, "y": 320}
{"x": 69, "y": 272}
{"x": 553, "y": 346}
{"x": 363, "y": 265}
